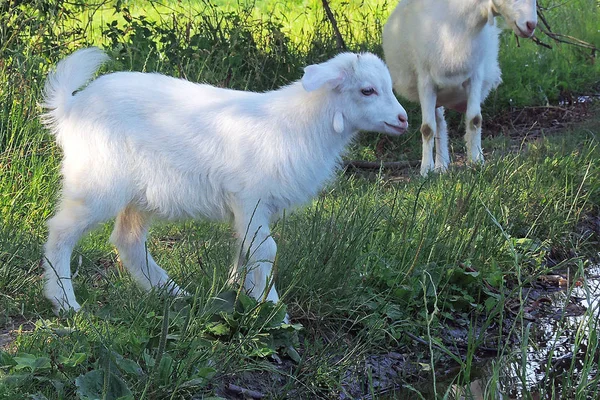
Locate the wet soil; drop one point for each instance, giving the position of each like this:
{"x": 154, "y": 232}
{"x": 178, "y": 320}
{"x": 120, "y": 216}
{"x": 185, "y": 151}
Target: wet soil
{"x": 553, "y": 305}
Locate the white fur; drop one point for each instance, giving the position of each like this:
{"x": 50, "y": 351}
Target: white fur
{"x": 444, "y": 53}
{"x": 142, "y": 145}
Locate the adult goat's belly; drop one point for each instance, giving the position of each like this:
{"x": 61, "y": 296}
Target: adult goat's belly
{"x": 454, "y": 97}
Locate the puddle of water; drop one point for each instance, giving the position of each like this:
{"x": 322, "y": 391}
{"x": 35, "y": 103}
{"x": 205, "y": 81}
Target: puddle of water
{"x": 557, "y": 342}
{"x": 557, "y": 345}
{"x": 580, "y": 100}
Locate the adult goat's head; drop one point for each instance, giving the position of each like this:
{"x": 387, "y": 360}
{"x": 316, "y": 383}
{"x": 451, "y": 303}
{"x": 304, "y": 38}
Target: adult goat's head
{"x": 520, "y": 15}
{"x": 362, "y": 90}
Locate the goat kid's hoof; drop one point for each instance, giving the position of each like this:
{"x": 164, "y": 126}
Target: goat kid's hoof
{"x": 477, "y": 160}
{"x": 171, "y": 289}
{"x": 176, "y": 291}
{"x": 64, "y": 307}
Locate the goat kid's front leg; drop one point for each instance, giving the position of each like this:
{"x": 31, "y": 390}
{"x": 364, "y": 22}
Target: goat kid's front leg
{"x": 256, "y": 258}
{"x": 474, "y": 121}
{"x": 427, "y": 98}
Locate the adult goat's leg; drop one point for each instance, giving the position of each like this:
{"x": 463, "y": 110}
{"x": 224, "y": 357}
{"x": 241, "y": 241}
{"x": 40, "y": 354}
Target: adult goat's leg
{"x": 129, "y": 237}
{"x": 442, "y": 155}
{"x": 474, "y": 120}
{"x": 427, "y": 98}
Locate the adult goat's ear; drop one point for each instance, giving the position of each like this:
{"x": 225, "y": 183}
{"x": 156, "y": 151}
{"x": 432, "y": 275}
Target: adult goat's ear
{"x": 318, "y": 75}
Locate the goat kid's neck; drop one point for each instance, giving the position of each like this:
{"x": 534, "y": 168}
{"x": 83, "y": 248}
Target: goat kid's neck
{"x": 323, "y": 117}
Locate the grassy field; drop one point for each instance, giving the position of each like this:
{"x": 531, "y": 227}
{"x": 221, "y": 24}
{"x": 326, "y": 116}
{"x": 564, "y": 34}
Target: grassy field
{"x": 396, "y": 286}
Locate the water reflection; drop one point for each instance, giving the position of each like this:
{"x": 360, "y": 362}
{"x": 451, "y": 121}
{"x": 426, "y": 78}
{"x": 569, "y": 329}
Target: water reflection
{"x": 560, "y": 351}
{"x": 553, "y": 355}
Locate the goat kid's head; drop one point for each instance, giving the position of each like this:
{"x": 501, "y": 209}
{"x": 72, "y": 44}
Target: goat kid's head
{"x": 520, "y": 15}
{"x": 362, "y": 89}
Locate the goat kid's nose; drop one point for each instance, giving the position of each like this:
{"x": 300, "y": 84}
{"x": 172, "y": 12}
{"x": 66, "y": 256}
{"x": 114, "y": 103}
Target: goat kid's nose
{"x": 403, "y": 118}
{"x": 531, "y": 26}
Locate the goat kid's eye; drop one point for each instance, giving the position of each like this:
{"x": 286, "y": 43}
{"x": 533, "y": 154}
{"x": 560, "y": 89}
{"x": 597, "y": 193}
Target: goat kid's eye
{"x": 368, "y": 91}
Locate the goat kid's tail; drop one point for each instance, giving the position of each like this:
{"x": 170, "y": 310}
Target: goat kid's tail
{"x": 71, "y": 74}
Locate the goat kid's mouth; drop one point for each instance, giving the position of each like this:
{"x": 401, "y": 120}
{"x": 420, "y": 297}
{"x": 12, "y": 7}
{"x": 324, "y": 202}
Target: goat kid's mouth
{"x": 397, "y": 129}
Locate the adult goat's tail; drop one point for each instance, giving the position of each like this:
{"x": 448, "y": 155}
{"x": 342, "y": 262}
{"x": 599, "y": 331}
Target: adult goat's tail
{"x": 71, "y": 74}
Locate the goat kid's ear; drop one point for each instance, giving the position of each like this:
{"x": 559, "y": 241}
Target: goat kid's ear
{"x": 318, "y": 75}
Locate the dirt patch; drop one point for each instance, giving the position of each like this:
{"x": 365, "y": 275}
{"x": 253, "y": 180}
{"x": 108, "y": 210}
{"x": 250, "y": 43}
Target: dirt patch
{"x": 529, "y": 122}
{"x": 518, "y": 125}
{"x": 12, "y": 328}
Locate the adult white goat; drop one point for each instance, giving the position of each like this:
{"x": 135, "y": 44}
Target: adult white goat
{"x": 444, "y": 53}
{"x": 140, "y": 145}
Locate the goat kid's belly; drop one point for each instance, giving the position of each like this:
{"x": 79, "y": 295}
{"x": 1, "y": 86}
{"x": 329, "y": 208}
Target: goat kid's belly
{"x": 209, "y": 193}
{"x": 113, "y": 183}
{"x": 175, "y": 196}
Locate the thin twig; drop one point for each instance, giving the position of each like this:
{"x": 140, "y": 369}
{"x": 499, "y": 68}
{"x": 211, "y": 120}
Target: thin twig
{"x": 381, "y": 164}
{"x": 338, "y": 36}
{"x": 537, "y": 41}
{"x": 245, "y": 392}
{"x": 559, "y": 37}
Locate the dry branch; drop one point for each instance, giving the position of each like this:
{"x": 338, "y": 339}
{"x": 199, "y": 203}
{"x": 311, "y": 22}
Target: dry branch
{"x": 338, "y": 36}
{"x": 359, "y": 164}
{"x": 253, "y": 394}
{"x": 546, "y": 29}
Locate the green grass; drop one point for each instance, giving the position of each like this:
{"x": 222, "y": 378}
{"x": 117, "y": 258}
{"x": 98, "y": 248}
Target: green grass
{"x": 366, "y": 268}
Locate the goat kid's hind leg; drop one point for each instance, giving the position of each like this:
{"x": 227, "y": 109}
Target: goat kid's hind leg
{"x": 474, "y": 121}
{"x": 73, "y": 218}
{"x": 427, "y": 97}
{"x": 442, "y": 155}
{"x": 129, "y": 237}
{"x": 258, "y": 250}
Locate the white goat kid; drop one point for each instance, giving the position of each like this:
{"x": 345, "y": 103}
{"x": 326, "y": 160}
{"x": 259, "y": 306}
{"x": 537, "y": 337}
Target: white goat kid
{"x": 141, "y": 145}
{"x": 444, "y": 53}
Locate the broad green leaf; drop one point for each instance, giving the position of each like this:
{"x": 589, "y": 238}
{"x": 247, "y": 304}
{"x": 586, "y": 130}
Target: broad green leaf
{"x": 72, "y": 361}
{"x": 148, "y": 359}
{"x": 293, "y": 354}
{"x": 262, "y": 352}
{"x": 91, "y": 387}
{"x": 6, "y": 360}
{"x": 129, "y": 366}
{"x": 218, "y": 329}
{"x": 246, "y": 303}
{"x": 32, "y": 362}
{"x": 165, "y": 368}
{"x": 223, "y": 302}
